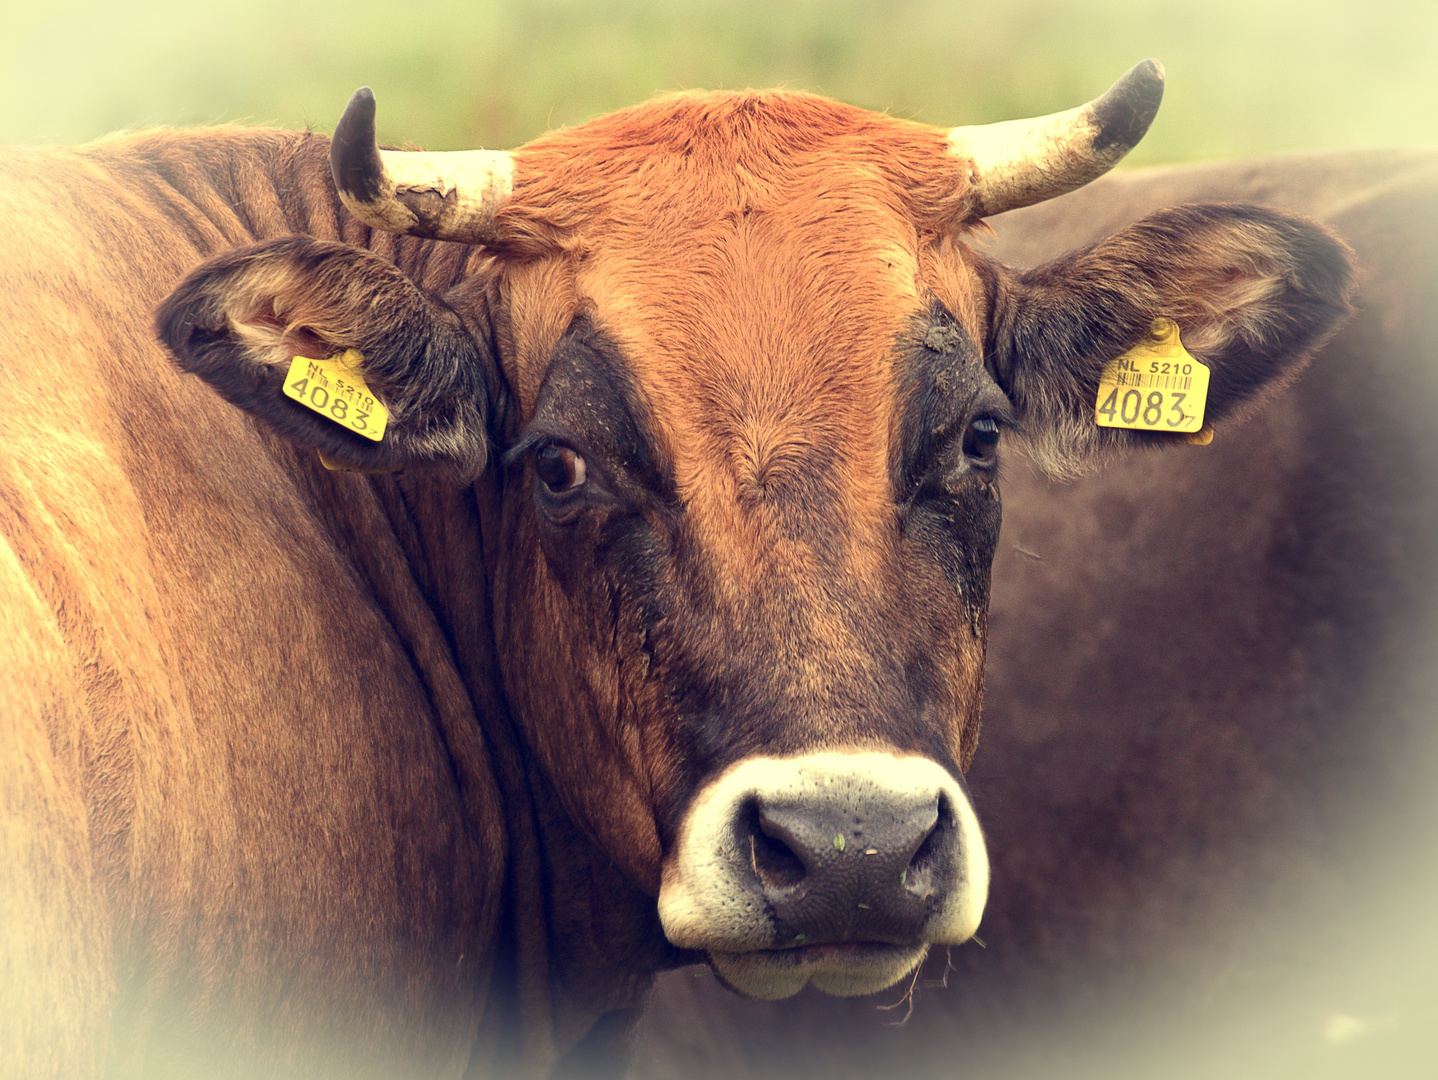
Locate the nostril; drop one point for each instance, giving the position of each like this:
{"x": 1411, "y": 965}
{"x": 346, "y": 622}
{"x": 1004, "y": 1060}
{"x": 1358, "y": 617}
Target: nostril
{"x": 920, "y": 876}
{"x": 773, "y": 861}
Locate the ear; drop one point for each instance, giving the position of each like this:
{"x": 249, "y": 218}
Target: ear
{"x": 1254, "y": 292}
{"x": 239, "y": 320}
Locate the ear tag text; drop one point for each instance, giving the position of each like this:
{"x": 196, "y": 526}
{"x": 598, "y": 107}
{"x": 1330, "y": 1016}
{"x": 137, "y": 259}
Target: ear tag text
{"x": 335, "y": 389}
{"x": 1155, "y": 386}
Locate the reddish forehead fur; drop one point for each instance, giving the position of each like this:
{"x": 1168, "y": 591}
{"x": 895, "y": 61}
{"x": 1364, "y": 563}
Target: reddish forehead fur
{"x": 727, "y": 148}
{"x": 757, "y": 257}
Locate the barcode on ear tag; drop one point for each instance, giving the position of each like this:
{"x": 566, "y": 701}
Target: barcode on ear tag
{"x": 335, "y": 389}
{"x": 1155, "y": 386}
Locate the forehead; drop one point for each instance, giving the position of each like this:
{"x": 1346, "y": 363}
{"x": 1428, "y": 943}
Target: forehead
{"x": 757, "y": 259}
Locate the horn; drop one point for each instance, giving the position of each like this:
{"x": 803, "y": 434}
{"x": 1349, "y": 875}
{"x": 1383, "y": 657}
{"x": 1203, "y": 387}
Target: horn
{"x": 1019, "y": 162}
{"x": 444, "y": 196}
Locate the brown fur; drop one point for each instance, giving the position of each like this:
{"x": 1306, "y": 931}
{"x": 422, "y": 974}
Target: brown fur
{"x": 210, "y": 785}
{"x": 725, "y": 299}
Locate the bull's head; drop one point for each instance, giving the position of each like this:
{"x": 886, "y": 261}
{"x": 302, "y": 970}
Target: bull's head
{"x": 749, "y": 381}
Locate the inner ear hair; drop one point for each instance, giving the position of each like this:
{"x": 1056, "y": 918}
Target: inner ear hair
{"x": 1254, "y": 291}
{"x": 239, "y": 320}
{"x": 275, "y": 336}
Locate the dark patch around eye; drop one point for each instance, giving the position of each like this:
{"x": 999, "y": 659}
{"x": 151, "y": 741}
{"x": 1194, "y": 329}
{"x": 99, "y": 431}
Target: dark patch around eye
{"x": 942, "y": 376}
{"x": 590, "y": 398}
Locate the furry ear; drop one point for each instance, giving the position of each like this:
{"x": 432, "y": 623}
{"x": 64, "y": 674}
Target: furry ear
{"x": 1254, "y": 292}
{"x": 238, "y": 321}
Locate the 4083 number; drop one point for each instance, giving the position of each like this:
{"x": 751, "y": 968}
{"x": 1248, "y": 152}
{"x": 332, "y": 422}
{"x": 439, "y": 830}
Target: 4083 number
{"x": 1139, "y": 408}
{"x": 321, "y": 400}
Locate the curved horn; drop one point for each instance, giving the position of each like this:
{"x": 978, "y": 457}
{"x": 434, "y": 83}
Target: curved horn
{"x": 444, "y": 196}
{"x": 1019, "y": 162}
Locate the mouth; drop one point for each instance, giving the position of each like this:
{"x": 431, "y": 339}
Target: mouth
{"x": 844, "y": 969}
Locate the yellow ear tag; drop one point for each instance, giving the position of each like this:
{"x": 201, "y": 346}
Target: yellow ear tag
{"x": 334, "y": 389}
{"x": 1155, "y": 386}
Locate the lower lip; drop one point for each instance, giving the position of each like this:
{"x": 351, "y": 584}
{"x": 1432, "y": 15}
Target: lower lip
{"x": 842, "y": 953}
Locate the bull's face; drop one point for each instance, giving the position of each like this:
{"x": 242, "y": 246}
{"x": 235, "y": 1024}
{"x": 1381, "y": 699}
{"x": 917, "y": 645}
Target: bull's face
{"x": 749, "y": 382}
{"x": 749, "y": 520}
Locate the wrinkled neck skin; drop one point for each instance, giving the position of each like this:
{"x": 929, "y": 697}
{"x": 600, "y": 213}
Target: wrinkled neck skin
{"x": 577, "y": 942}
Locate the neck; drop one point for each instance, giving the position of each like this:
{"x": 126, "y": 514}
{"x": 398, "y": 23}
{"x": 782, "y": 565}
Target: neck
{"x": 575, "y": 943}
{"x": 579, "y": 942}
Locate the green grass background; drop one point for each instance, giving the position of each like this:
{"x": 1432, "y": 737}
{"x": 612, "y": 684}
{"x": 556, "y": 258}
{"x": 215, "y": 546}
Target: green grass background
{"x": 1245, "y": 76}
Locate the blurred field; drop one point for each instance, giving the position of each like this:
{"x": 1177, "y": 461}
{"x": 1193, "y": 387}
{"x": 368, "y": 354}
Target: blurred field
{"x": 1245, "y": 76}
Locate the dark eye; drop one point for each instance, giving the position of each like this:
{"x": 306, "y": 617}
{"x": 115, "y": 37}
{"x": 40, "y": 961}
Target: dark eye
{"x": 559, "y": 468}
{"x": 981, "y": 440}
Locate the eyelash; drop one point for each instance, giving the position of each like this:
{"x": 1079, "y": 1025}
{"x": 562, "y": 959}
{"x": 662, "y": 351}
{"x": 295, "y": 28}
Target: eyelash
{"x": 981, "y": 439}
{"x": 560, "y": 469}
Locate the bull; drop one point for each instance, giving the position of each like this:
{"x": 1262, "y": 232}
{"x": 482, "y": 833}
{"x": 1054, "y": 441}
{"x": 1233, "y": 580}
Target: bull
{"x": 651, "y": 626}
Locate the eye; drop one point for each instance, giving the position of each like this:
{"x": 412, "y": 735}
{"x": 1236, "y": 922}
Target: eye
{"x": 559, "y": 468}
{"x": 981, "y": 440}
